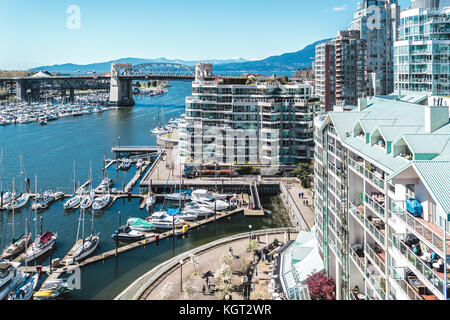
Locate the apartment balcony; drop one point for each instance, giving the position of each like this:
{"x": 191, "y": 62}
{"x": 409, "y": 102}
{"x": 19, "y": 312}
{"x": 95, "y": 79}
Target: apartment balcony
{"x": 376, "y": 206}
{"x": 378, "y": 284}
{"x": 427, "y": 232}
{"x": 336, "y": 152}
{"x": 375, "y": 227}
{"x": 376, "y": 256}
{"x": 374, "y": 177}
{"x": 336, "y": 171}
{"x": 415, "y": 292}
{"x": 357, "y": 164}
{"x": 434, "y": 281}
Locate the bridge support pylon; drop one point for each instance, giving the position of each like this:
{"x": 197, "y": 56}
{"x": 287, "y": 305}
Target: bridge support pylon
{"x": 21, "y": 91}
{"x": 121, "y": 90}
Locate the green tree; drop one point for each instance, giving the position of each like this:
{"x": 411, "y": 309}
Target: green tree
{"x": 303, "y": 173}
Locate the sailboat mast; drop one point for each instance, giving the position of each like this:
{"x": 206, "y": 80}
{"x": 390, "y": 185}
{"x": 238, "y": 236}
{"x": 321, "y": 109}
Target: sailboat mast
{"x": 74, "y": 179}
{"x": 13, "y": 203}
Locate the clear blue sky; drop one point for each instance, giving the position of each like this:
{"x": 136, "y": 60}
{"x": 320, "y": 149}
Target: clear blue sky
{"x": 34, "y": 33}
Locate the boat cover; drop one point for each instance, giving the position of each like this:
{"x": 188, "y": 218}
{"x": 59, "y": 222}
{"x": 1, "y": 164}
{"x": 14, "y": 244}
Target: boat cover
{"x": 172, "y": 212}
{"x": 46, "y": 236}
{"x": 136, "y": 222}
{"x": 183, "y": 191}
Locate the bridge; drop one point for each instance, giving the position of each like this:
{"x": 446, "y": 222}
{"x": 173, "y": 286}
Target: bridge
{"x": 119, "y": 81}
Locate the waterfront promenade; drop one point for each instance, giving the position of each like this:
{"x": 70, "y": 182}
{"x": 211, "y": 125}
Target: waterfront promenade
{"x": 150, "y": 285}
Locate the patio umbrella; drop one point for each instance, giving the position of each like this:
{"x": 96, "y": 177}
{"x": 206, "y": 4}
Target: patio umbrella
{"x": 207, "y": 275}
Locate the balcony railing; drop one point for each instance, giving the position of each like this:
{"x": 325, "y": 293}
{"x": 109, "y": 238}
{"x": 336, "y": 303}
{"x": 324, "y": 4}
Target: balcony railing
{"x": 418, "y": 227}
{"x": 405, "y": 286}
{"x": 358, "y": 260}
{"x": 355, "y": 165}
{"x": 376, "y": 285}
{"x": 372, "y": 177}
{"x": 377, "y": 235}
{"x": 375, "y": 258}
{"x": 379, "y": 209}
{"x": 428, "y": 274}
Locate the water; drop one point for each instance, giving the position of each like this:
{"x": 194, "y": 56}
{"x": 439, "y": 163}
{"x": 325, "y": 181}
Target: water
{"x": 49, "y": 151}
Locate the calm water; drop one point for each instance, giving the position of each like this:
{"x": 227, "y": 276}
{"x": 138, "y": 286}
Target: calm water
{"x": 50, "y": 151}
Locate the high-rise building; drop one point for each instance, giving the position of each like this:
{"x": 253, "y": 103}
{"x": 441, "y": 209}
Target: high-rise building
{"x": 422, "y": 52}
{"x": 340, "y": 70}
{"x": 382, "y": 197}
{"x": 377, "y": 21}
{"x": 350, "y": 67}
{"x": 253, "y": 120}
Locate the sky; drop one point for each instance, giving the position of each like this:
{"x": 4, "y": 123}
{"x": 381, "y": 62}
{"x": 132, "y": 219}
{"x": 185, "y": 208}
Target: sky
{"x": 47, "y": 32}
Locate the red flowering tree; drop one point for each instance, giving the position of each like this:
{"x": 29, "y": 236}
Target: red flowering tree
{"x": 321, "y": 287}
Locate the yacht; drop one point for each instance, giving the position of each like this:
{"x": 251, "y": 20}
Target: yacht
{"x": 43, "y": 201}
{"x": 184, "y": 195}
{"x": 205, "y": 193}
{"x": 162, "y": 220}
{"x": 102, "y": 202}
{"x": 125, "y": 165}
{"x": 16, "y": 247}
{"x": 159, "y": 130}
{"x": 86, "y": 248}
{"x": 26, "y": 289}
{"x": 18, "y": 203}
{"x": 40, "y": 246}
{"x": 72, "y": 202}
{"x": 210, "y": 203}
{"x": 151, "y": 200}
{"x": 198, "y": 210}
{"x": 105, "y": 184}
{"x": 87, "y": 201}
{"x": 7, "y": 197}
{"x": 186, "y": 216}
{"x": 10, "y": 278}
{"x": 126, "y": 233}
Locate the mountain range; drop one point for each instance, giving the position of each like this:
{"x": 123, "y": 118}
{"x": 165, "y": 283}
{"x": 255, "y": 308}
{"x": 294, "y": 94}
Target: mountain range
{"x": 288, "y": 62}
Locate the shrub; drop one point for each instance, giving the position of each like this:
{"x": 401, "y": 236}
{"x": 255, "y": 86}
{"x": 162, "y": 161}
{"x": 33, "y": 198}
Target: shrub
{"x": 321, "y": 287}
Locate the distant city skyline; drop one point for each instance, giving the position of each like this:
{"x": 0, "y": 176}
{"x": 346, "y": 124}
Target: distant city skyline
{"x": 46, "y": 32}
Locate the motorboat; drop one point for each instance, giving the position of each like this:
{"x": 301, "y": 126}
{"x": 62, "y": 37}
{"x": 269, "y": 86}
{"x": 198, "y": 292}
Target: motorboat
{"x": 177, "y": 196}
{"x": 140, "y": 225}
{"x": 199, "y": 193}
{"x": 106, "y": 184}
{"x": 72, "y": 202}
{"x": 198, "y": 210}
{"x": 16, "y": 247}
{"x": 125, "y": 165}
{"x": 210, "y": 203}
{"x": 26, "y": 289}
{"x": 161, "y": 220}
{"x": 151, "y": 200}
{"x": 52, "y": 290}
{"x": 10, "y": 278}
{"x": 159, "y": 130}
{"x": 40, "y": 246}
{"x": 43, "y": 201}
{"x": 87, "y": 201}
{"x": 187, "y": 216}
{"x": 126, "y": 233}
{"x": 102, "y": 202}
{"x": 18, "y": 203}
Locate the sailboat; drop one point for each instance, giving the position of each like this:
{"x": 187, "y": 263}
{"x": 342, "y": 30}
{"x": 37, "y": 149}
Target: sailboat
{"x": 89, "y": 244}
{"x": 88, "y": 200}
{"x": 17, "y": 246}
{"x": 76, "y": 198}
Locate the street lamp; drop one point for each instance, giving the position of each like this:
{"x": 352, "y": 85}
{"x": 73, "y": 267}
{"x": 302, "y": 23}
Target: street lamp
{"x": 181, "y": 275}
{"x": 249, "y": 230}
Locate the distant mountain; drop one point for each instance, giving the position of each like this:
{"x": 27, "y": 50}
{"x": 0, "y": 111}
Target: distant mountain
{"x": 288, "y": 62}
{"x": 106, "y": 66}
{"x": 285, "y": 63}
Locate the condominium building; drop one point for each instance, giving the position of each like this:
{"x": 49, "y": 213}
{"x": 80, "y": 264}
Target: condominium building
{"x": 340, "y": 70}
{"x": 422, "y": 52}
{"x": 377, "y": 21}
{"x": 382, "y": 197}
{"x": 251, "y": 120}
{"x": 325, "y": 74}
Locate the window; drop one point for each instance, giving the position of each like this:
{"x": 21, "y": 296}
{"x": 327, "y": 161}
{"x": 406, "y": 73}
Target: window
{"x": 410, "y": 191}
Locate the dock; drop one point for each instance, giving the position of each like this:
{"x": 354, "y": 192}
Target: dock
{"x": 137, "y": 176}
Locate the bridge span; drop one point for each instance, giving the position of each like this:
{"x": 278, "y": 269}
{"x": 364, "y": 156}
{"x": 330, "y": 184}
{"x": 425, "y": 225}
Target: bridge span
{"x": 119, "y": 81}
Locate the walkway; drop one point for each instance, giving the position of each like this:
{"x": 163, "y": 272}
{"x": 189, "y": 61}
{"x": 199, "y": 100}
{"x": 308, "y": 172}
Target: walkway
{"x": 210, "y": 261}
{"x": 307, "y": 211}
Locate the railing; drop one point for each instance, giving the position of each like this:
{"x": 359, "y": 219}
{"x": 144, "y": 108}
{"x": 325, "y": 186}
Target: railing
{"x": 335, "y": 151}
{"x": 433, "y": 279}
{"x": 372, "y": 229}
{"x": 358, "y": 260}
{"x": 355, "y": 165}
{"x": 375, "y": 205}
{"x": 375, "y": 258}
{"x": 376, "y": 285}
{"x": 418, "y": 227}
{"x": 407, "y": 289}
{"x": 333, "y": 168}
{"x": 377, "y": 181}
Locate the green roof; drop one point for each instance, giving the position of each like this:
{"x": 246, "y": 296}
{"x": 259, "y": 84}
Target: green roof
{"x": 427, "y": 143}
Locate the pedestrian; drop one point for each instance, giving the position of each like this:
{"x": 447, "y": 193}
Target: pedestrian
{"x": 300, "y": 195}
{"x": 203, "y": 289}
{"x": 230, "y": 250}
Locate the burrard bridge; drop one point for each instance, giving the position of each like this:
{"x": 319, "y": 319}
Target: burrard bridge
{"x": 119, "y": 81}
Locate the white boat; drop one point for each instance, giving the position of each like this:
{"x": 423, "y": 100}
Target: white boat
{"x": 7, "y": 197}
{"x": 151, "y": 200}
{"x": 210, "y": 203}
{"x": 198, "y": 210}
{"x": 16, "y": 247}
{"x": 100, "y": 203}
{"x": 199, "y": 193}
{"x": 87, "y": 201}
{"x": 42, "y": 201}
{"x": 178, "y": 196}
{"x": 159, "y": 130}
{"x": 140, "y": 225}
{"x": 26, "y": 289}
{"x": 106, "y": 184}
{"x": 187, "y": 216}
{"x": 125, "y": 165}
{"x": 162, "y": 220}
{"x": 72, "y": 202}
{"x": 18, "y": 203}
{"x": 86, "y": 248}
{"x": 40, "y": 246}
{"x": 10, "y": 278}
